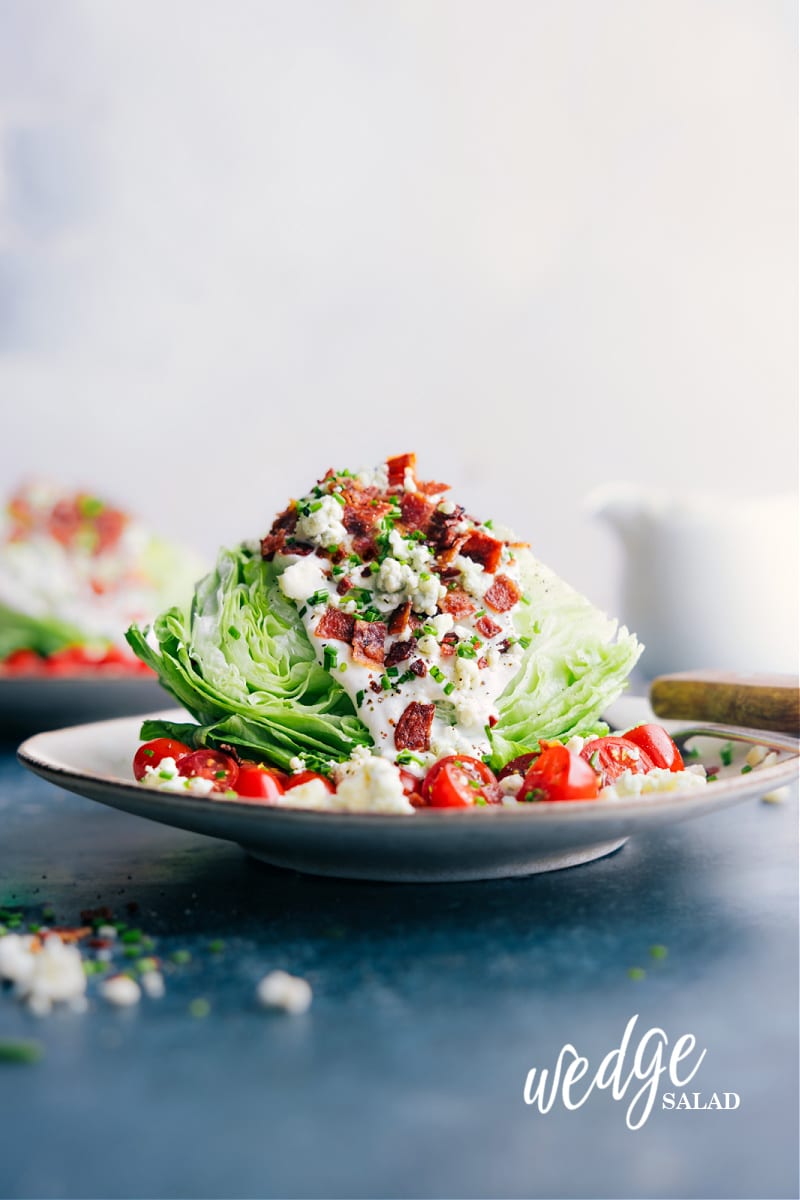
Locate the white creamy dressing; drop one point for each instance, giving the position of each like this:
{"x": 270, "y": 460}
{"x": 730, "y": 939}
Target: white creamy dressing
{"x": 466, "y": 694}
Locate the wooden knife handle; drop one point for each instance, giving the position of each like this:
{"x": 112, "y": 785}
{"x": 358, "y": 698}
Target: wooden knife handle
{"x": 753, "y": 701}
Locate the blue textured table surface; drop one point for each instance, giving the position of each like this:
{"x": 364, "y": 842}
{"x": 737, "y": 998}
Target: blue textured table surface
{"x": 431, "y": 1003}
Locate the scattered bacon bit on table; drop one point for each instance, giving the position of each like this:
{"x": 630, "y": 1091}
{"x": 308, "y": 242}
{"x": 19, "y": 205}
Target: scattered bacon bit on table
{"x": 413, "y": 731}
{"x": 503, "y": 594}
{"x": 369, "y": 638}
{"x": 336, "y": 624}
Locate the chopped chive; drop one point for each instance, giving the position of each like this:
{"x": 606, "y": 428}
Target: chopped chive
{"x": 405, "y": 678}
{"x": 392, "y": 671}
{"x": 374, "y": 568}
{"x": 430, "y": 630}
{"x": 149, "y": 753}
{"x": 199, "y": 1008}
{"x": 355, "y": 559}
{"x": 449, "y": 688}
{"x": 437, "y": 674}
{"x": 537, "y": 627}
{"x": 315, "y": 507}
{"x": 217, "y": 946}
{"x": 524, "y": 600}
{"x": 658, "y": 951}
{"x": 464, "y": 650}
{"x": 359, "y": 699}
{"x": 132, "y": 935}
{"x": 524, "y": 642}
{"x": 405, "y": 756}
{"x": 386, "y": 682}
{"x": 332, "y": 548}
{"x": 329, "y": 657}
{"x": 726, "y": 754}
{"x": 20, "y": 1050}
{"x": 303, "y": 611}
{"x": 234, "y": 632}
{"x": 181, "y": 957}
{"x": 480, "y": 613}
{"x": 339, "y": 498}
{"x": 319, "y": 597}
{"x": 636, "y": 973}
{"x": 746, "y": 769}
{"x": 372, "y": 614}
{"x": 342, "y": 667}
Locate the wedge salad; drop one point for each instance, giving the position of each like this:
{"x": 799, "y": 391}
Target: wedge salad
{"x": 75, "y": 570}
{"x": 379, "y": 649}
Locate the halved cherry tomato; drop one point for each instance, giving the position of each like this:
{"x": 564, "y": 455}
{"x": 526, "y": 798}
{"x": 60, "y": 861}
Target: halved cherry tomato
{"x": 150, "y": 754}
{"x": 23, "y": 662}
{"x": 657, "y": 745}
{"x": 305, "y": 777}
{"x": 257, "y": 782}
{"x": 558, "y": 774}
{"x": 518, "y": 766}
{"x": 610, "y": 756}
{"x": 211, "y": 764}
{"x": 459, "y": 781}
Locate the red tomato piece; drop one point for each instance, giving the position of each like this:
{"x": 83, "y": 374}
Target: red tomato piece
{"x": 610, "y": 756}
{"x": 257, "y": 782}
{"x": 23, "y": 662}
{"x": 558, "y": 774}
{"x": 211, "y": 764}
{"x": 294, "y": 781}
{"x": 459, "y": 781}
{"x": 657, "y": 745}
{"x": 150, "y": 754}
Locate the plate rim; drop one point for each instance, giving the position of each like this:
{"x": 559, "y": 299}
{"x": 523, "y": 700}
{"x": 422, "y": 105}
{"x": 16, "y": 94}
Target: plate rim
{"x": 729, "y": 788}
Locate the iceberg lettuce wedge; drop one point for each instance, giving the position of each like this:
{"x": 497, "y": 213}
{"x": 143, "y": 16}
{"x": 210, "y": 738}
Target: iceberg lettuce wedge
{"x": 576, "y": 663}
{"x": 241, "y": 663}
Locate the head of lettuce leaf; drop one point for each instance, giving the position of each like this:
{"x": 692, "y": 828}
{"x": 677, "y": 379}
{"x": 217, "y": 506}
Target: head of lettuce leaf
{"x": 240, "y": 661}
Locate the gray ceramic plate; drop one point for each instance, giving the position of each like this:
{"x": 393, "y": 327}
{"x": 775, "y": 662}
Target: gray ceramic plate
{"x": 430, "y": 845}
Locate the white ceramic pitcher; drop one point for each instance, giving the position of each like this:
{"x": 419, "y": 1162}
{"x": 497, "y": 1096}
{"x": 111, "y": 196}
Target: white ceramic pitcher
{"x": 708, "y": 581}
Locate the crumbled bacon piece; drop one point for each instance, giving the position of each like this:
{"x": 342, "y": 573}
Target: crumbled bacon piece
{"x": 487, "y": 627}
{"x": 431, "y": 488}
{"x": 369, "y": 638}
{"x": 413, "y": 731}
{"x": 418, "y": 668}
{"x": 344, "y": 585}
{"x": 492, "y": 720}
{"x": 445, "y": 557}
{"x": 416, "y": 511}
{"x": 458, "y": 604}
{"x": 375, "y": 686}
{"x": 503, "y": 594}
{"x": 504, "y": 645}
{"x": 283, "y": 525}
{"x": 483, "y": 549}
{"x": 448, "y": 645}
{"x": 399, "y": 652}
{"x": 398, "y": 620}
{"x": 336, "y": 624}
{"x": 443, "y": 530}
{"x": 398, "y": 466}
{"x": 482, "y": 663}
